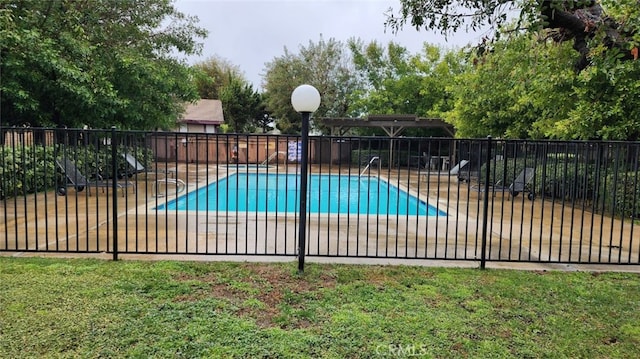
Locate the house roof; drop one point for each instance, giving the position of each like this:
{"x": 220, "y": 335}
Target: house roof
{"x": 203, "y": 112}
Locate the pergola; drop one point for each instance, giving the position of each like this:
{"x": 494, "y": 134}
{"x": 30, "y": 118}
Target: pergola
{"x": 393, "y": 125}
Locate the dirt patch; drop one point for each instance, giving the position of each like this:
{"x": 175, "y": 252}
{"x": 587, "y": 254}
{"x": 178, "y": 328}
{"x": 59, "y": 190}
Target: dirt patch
{"x": 261, "y": 291}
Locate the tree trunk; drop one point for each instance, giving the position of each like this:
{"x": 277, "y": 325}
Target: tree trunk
{"x": 580, "y": 24}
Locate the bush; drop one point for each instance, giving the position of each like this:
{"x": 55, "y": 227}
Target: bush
{"x": 26, "y": 170}
{"x": 621, "y": 198}
{"x": 558, "y": 179}
{"x": 30, "y": 169}
{"x": 563, "y": 180}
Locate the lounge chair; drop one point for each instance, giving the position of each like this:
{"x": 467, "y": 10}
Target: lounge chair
{"x": 457, "y": 168}
{"x": 160, "y": 185}
{"x": 463, "y": 172}
{"x": 518, "y": 185}
{"x": 75, "y": 179}
{"x": 136, "y": 167}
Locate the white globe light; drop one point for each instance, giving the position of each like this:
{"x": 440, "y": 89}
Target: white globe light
{"x": 305, "y": 98}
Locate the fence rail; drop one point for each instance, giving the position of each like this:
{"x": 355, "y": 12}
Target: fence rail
{"x": 134, "y": 192}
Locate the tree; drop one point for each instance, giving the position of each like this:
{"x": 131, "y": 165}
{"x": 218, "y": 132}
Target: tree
{"x": 519, "y": 89}
{"x": 98, "y": 63}
{"x": 392, "y": 81}
{"x": 586, "y": 88}
{"x": 326, "y": 66}
{"x": 585, "y": 22}
{"x": 607, "y": 103}
{"x": 241, "y": 105}
{"x": 216, "y": 73}
{"x": 220, "y": 79}
{"x": 389, "y": 82}
{"x": 263, "y": 119}
{"x": 526, "y": 88}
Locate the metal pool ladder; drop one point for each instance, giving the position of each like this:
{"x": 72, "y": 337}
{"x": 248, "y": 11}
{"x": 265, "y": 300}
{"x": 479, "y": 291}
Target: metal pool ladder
{"x": 178, "y": 183}
{"x": 374, "y": 158}
{"x": 272, "y": 156}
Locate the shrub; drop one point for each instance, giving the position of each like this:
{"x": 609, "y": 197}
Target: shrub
{"x": 565, "y": 180}
{"x": 568, "y": 180}
{"x": 26, "y": 170}
{"x": 622, "y": 195}
{"x": 30, "y": 169}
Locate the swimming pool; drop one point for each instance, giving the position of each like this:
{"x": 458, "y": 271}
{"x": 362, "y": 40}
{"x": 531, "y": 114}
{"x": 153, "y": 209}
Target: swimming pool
{"x": 270, "y": 192}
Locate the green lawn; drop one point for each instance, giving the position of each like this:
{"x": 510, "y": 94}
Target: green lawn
{"x": 93, "y": 308}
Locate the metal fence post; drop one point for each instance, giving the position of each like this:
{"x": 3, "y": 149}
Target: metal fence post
{"x": 114, "y": 191}
{"x": 485, "y": 211}
{"x": 304, "y": 163}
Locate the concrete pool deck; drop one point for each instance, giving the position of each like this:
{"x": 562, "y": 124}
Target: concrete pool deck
{"x": 530, "y": 230}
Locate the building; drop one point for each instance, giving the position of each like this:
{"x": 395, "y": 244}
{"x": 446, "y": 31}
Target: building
{"x": 204, "y": 116}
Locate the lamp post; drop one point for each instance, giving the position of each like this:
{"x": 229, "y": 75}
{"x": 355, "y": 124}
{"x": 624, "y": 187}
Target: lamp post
{"x": 305, "y": 100}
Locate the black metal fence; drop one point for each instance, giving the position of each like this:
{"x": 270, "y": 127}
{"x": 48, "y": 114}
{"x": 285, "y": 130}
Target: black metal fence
{"x": 94, "y": 191}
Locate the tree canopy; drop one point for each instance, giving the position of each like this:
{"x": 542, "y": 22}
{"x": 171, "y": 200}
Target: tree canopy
{"x": 519, "y": 89}
{"x": 518, "y": 84}
{"x": 95, "y": 62}
{"x": 216, "y": 73}
{"x": 393, "y": 81}
{"x": 552, "y": 69}
{"x": 324, "y": 65}
{"x": 585, "y": 22}
{"x": 242, "y": 105}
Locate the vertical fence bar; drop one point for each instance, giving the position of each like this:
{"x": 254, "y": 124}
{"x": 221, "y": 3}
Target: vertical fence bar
{"x": 302, "y": 230}
{"x": 485, "y": 211}
{"x": 114, "y": 191}
{"x": 23, "y": 164}
{"x": 635, "y": 204}
{"x": 4, "y": 185}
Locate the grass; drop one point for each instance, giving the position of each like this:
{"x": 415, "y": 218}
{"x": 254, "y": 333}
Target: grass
{"x": 91, "y": 308}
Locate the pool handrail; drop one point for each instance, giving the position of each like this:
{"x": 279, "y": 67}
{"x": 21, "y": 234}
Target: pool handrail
{"x": 374, "y": 158}
{"x": 272, "y": 156}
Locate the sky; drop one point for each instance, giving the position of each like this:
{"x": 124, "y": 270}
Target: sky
{"x": 250, "y": 33}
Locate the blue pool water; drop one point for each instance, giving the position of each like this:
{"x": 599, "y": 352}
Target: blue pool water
{"x": 270, "y": 192}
